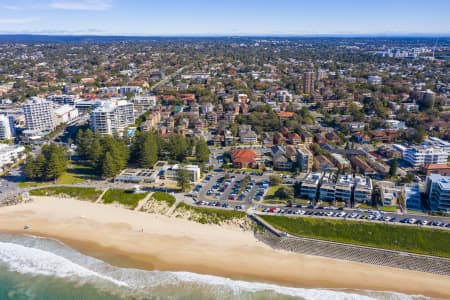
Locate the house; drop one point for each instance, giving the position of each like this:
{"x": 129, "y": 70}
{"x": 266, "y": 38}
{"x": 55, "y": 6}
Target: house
{"x": 441, "y": 169}
{"x": 332, "y": 137}
{"x": 294, "y": 138}
{"x": 385, "y": 136}
{"x": 319, "y": 139}
{"x": 306, "y": 137}
{"x": 278, "y": 139}
{"x": 285, "y": 115}
{"x": 361, "y": 138}
{"x": 245, "y": 158}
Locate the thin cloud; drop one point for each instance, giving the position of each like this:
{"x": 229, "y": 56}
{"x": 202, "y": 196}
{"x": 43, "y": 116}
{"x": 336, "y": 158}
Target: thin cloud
{"x": 11, "y": 7}
{"x": 17, "y": 20}
{"x": 81, "y": 5}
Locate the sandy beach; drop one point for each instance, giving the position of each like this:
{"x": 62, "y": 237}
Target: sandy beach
{"x": 149, "y": 241}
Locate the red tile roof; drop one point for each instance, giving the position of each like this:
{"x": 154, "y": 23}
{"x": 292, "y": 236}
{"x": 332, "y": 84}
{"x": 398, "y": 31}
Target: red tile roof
{"x": 244, "y": 156}
{"x": 436, "y": 166}
{"x": 285, "y": 114}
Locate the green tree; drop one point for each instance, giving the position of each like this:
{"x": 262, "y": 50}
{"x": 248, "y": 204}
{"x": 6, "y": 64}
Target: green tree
{"x": 393, "y": 168}
{"x": 274, "y": 180}
{"x": 285, "y": 192}
{"x": 202, "y": 151}
{"x": 183, "y": 180}
{"x": 31, "y": 168}
{"x": 109, "y": 167}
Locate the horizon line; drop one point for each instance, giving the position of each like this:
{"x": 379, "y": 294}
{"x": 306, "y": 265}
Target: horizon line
{"x": 136, "y": 35}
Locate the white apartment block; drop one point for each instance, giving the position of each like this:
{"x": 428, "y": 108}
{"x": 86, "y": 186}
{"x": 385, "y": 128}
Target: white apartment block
{"x": 438, "y": 191}
{"x": 10, "y": 154}
{"x": 344, "y": 186}
{"x": 419, "y": 155}
{"x": 112, "y": 117}
{"x": 327, "y": 188}
{"x": 438, "y": 143}
{"x": 362, "y": 189}
{"x": 309, "y": 186}
{"x": 39, "y": 115}
{"x": 6, "y": 127}
{"x": 193, "y": 171}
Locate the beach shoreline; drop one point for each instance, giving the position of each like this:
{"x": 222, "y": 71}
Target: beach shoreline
{"x": 154, "y": 242}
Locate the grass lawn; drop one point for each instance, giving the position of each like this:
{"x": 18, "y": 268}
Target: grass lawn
{"x": 275, "y": 201}
{"x": 81, "y": 193}
{"x": 75, "y": 173}
{"x": 125, "y": 197}
{"x": 394, "y": 237}
{"x": 271, "y": 191}
{"x": 211, "y": 215}
{"x": 388, "y": 208}
{"x": 365, "y": 206}
{"x": 160, "y": 196}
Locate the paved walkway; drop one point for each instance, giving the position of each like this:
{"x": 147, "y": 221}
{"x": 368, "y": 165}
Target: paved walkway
{"x": 143, "y": 201}
{"x": 179, "y": 197}
{"x": 99, "y": 199}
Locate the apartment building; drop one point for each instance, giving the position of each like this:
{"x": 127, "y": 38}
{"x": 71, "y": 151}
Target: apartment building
{"x": 247, "y": 135}
{"x": 438, "y": 191}
{"x": 304, "y": 159}
{"x": 193, "y": 171}
{"x": 39, "y": 115}
{"x": 310, "y": 184}
{"x": 344, "y": 187}
{"x": 420, "y": 155}
{"x": 6, "y": 127}
{"x": 438, "y": 143}
{"x": 413, "y": 199}
{"x": 340, "y": 161}
{"x": 327, "y": 187}
{"x": 362, "y": 189}
{"x": 112, "y": 117}
{"x": 10, "y": 154}
{"x": 308, "y": 82}
{"x": 63, "y": 99}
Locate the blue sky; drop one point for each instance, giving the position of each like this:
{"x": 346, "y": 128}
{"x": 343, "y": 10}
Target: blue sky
{"x": 203, "y": 17}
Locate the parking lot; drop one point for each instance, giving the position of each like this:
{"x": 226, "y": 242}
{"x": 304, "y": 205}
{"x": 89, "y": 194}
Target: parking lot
{"x": 358, "y": 214}
{"x": 232, "y": 189}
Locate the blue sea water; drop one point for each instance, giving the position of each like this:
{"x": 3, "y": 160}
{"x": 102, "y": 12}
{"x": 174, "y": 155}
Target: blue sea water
{"x": 38, "y": 268}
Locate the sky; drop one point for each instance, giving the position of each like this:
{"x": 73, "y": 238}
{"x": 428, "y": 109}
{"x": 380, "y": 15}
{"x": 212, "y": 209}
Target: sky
{"x": 225, "y": 17}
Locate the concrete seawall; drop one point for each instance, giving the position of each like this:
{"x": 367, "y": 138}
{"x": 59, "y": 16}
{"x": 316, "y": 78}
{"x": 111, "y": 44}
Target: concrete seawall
{"x": 375, "y": 256}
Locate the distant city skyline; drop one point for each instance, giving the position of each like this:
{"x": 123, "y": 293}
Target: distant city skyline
{"x": 232, "y": 17}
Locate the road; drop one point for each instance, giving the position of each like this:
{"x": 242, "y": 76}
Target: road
{"x": 168, "y": 78}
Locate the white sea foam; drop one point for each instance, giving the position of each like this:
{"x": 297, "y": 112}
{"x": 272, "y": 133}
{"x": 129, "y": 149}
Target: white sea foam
{"x": 29, "y": 255}
{"x": 28, "y": 260}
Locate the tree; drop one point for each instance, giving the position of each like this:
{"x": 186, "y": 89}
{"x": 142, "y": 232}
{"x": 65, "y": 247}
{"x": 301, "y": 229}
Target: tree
{"x": 31, "y": 168}
{"x": 393, "y": 168}
{"x": 178, "y": 147}
{"x": 274, "y": 180}
{"x": 202, "y": 151}
{"x": 55, "y": 166}
{"x": 285, "y": 192}
{"x": 109, "y": 167}
{"x": 48, "y": 165}
{"x": 183, "y": 179}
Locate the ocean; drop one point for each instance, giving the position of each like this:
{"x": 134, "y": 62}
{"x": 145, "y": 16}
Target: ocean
{"x": 40, "y": 268}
